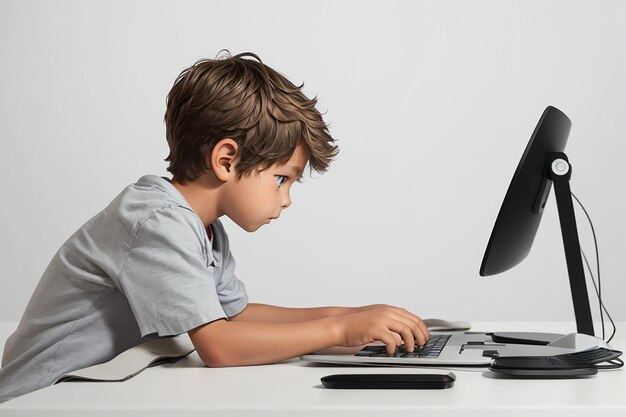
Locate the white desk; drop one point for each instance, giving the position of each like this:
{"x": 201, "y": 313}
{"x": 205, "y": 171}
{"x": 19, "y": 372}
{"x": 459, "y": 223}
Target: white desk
{"x": 187, "y": 388}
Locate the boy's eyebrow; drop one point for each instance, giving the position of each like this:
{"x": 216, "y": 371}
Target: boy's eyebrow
{"x": 296, "y": 172}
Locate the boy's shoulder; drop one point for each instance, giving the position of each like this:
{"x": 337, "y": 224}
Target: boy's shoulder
{"x": 152, "y": 191}
{"x": 152, "y": 206}
{"x": 147, "y": 216}
{"x": 151, "y": 195}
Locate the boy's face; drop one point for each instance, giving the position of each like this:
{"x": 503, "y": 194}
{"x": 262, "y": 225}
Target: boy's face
{"x": 255, "y": 200}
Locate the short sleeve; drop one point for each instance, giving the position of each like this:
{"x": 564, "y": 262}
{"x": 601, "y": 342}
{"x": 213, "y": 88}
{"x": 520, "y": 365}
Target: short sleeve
{"x": 166, "y": 278}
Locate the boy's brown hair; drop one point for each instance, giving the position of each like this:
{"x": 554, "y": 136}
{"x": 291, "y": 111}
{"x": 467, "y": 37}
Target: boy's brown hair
{"x": 242, "y": 99}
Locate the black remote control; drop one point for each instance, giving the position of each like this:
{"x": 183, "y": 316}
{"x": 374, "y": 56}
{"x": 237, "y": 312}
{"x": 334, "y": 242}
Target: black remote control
{"x": 389, "y": 381}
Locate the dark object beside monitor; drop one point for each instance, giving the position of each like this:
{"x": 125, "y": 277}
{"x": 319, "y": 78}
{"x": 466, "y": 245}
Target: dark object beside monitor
{"x": 543, "y": 163}
{"x": 389, "y": 381}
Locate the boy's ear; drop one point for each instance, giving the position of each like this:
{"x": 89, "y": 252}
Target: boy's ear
{"x": 223, "y": 158}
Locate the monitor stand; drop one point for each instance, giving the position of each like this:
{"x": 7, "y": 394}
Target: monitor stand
{"x": 559, "y": 172}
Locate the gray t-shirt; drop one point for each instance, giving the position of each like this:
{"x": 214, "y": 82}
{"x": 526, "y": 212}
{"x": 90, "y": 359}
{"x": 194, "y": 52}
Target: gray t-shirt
{"x": 142, "y": 268}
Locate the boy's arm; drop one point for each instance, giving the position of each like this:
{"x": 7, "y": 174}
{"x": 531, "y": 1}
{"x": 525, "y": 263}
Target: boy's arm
{"x": 274, "y": 314}
{"x": 233, "y": 343}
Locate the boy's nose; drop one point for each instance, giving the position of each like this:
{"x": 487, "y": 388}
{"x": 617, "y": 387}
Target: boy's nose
{"x": 286, "y": 203}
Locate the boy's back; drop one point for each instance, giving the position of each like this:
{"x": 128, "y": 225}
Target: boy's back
{"x": 143, "y": 267}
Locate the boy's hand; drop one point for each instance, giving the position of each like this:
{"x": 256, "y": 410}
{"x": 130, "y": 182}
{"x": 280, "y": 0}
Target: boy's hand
{"x": 371, "y": 307}
{"x": 390, "y": 325}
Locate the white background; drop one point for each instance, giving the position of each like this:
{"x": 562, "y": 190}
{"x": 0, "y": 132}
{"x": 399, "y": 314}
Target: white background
{"x": 432, "y": 103}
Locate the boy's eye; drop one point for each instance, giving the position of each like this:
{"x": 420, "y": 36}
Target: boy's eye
{"x": 280, "y": 179}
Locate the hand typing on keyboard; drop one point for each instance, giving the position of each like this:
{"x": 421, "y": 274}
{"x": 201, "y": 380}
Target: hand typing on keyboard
{"x": 431, "y": 349}
{"x": 391, "y": 325}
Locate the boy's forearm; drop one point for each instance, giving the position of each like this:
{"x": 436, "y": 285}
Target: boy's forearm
{"x": 235, "y": 343}
{"x": 273, "y": 314}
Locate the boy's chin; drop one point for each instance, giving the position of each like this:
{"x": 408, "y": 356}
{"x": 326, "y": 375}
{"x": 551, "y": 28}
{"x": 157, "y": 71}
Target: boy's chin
{"x": 251, "y": 227}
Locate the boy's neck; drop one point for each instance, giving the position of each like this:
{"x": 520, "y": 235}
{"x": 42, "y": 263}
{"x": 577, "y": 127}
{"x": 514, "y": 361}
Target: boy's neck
{"x": 202, "y": 195}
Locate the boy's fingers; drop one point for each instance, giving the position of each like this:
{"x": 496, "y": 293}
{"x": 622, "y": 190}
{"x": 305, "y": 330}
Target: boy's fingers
{"x": 420, "y": 336}
{"x": 423, "y": 328}
{"x": 390, "y": 341}
{"x": 402, "y": 326}
{"x": 407, "y": 335}
{"x": 419, "y": 322}
{"x": 417, "y": 334}
{"x": 402, "y": 331}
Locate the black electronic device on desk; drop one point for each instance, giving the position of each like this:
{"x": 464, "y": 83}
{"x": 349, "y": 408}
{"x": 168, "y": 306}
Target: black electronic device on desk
{"x": 389, "y": 381}
{"x": 569, "y": 365}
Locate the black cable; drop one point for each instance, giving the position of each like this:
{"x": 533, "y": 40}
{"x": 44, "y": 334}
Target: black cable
{"x": 598, "y": 288}
{"x": 613, "y": 364}
{"x": 601, "y": 303}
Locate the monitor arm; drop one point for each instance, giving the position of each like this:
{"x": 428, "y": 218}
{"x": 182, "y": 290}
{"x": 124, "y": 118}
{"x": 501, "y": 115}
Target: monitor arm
{"x": 560, "y": 172}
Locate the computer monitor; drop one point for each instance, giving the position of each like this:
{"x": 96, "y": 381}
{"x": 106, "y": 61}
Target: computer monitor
{"x": 542, "y": 164}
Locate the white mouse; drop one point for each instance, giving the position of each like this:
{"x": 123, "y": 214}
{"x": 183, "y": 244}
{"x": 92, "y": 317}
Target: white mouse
{"x": 445, "y": 325}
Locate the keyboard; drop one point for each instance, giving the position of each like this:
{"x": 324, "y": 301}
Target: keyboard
{"x": 431, "y": 349}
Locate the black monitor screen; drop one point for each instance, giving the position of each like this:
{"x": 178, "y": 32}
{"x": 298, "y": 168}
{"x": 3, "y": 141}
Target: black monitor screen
{"x": 520, "y": 214}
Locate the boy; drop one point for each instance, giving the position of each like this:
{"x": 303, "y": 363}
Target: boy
{"x": 156, "y": 261}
